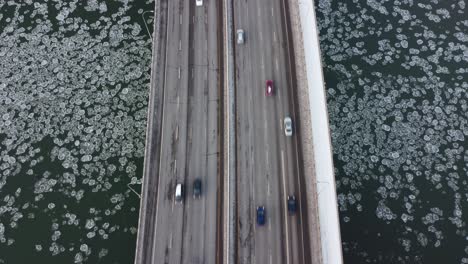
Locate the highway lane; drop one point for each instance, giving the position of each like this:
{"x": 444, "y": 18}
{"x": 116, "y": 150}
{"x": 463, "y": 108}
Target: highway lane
{"x": 169, "y": 218}
{"x": 183, "y": 232}
{"x": 267, "y": 160}
{"x": 199, "y": 242}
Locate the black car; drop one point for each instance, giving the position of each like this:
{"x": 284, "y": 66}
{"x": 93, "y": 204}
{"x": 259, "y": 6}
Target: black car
{"x": 197, "y": 188}
{"x": 292, "y": 204}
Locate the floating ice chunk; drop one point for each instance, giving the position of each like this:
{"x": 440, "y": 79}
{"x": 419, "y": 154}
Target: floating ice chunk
{"x": 102, "y": 7}
{"x": 103, "y": 252}
{"x": 91, "y": 234}
{"x": 90, "y": 223}
{"x": 383, "y": 212}
{"x": 86, "y": 158}
{"x": 422, "y": 239}
{"x": 136, "y": 29}
{"x": 38, "y": 247}
{"x": 443, "y": 12}
{"x": 377, "y": 6}
{"x": 78, "y": 257}
{"x": 404, "y": 43}
{"x": 429, "y": 147}
{"x": 461, "y": 4}
{"x": 405, "y": 218}
{"x": 83, "y": 247}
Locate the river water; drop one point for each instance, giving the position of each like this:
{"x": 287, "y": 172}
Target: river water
{"x": 397, "y": 78}
{"x": 74, "y": 79}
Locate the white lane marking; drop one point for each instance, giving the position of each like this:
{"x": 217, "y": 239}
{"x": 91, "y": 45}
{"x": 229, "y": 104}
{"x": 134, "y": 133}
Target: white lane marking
{"x": 180, "y": 44}
{"x": 170, "y": 241}
{"x": 278, "y": 92}
{"x": 276, "y": 63}
{"x": 178, "y": 99}
{"x": 179, "y": 72}
{"x": 285, "y": 206}
{"x": 272, "y": 11}
{"x": 300, "y": 205}
{"x": 269, "y": 225}
{"x": 274, "y": 36}
{"x": 177, "y": 133}
{"x": 271, "y": 259}
{"x": 268, "y": 187}
{"x": 263, "y": 62}
{"x": 175, "y": 167}
{"x": 180, "y": 19}
{"x": 267, "y": 159}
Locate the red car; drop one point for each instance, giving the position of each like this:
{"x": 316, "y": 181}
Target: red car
{"x": 269, "y": 90}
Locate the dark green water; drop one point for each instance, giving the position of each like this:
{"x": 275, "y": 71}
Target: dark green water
{"x": 397, "y": 80}
{"x": 74, "y": 79}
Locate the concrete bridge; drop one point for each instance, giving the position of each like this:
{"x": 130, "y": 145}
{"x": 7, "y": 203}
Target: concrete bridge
{"x": 211, "y": 119}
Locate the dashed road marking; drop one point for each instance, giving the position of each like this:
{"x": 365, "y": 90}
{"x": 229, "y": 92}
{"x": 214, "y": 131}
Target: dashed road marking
{"x": 285, "y": 213}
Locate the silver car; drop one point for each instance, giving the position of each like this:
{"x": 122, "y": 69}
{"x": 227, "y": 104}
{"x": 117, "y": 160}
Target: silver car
{"x": 288, "y": 129}
{"x": 240, "y": 36}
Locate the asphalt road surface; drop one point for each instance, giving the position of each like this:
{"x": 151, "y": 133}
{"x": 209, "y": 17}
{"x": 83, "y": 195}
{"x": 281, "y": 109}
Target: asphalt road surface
{"x": 267, "y": 161}
{"x": 186, "y": 232}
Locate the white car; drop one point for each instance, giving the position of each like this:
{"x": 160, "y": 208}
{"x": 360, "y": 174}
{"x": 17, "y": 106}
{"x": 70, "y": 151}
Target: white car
{"x": 288, "y": 129}
{"x": 179, "y": 193}
{"x": 240, "y": 36}
{"x": 199, "y": 2}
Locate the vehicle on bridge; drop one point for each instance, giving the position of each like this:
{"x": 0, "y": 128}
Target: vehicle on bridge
{"x": 197, "y": 190}
{"x": 292, "y": 204}
{"x": 261, "y": 215}
{"x": 198, "y": 2}
{"x": 179, "y": 193}
{"x": 240, "y": 36}
{"x": 269, "y": 90}
{"x": 288, "y": 127}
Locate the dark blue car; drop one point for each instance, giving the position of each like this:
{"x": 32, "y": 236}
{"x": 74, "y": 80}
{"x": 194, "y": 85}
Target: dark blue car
{"x": 292, "y": 204}
{"x": 261, "y": 215}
